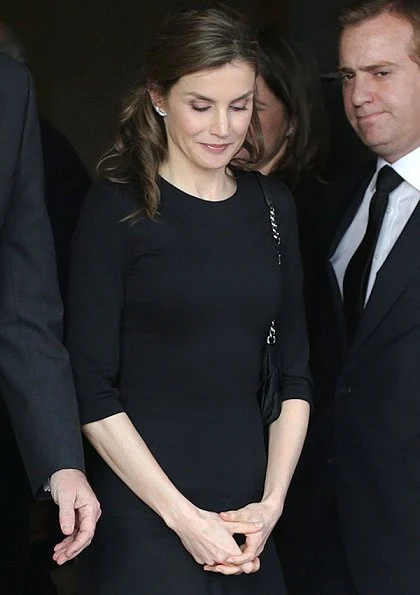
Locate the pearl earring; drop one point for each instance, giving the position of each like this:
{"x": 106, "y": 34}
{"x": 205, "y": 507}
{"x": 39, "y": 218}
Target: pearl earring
{"x": 160, "y": 111}
{"x": 290, "y": 132}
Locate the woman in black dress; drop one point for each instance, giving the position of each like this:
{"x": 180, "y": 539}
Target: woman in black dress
{"x": 174, "y": 283}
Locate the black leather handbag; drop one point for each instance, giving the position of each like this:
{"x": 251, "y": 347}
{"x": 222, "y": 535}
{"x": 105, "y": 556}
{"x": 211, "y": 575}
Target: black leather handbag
{"x": 269, "y": 392}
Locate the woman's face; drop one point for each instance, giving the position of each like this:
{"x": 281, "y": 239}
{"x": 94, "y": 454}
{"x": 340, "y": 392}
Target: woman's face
{"x": 208, "y": 115}
{"x": 274, "y": 126}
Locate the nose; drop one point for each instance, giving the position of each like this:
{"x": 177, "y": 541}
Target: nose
{"x": 360, "y": 90}
{"x": 220, "y": 123}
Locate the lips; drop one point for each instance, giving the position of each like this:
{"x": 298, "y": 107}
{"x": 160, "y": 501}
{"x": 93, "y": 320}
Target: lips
{"x": 367, "y": 117}
{"x": 216, "y": 148}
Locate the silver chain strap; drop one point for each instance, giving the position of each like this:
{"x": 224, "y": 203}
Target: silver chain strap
{"x": 271, "y": 339}
{"x": 275, "y": 230}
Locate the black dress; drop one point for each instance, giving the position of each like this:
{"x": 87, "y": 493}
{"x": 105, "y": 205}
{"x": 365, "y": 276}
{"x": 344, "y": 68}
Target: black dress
{"x": 167, "y": 320}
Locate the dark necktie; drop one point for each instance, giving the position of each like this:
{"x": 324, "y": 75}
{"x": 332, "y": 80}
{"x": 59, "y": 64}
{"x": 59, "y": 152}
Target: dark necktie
{"x": 357, "y": 273}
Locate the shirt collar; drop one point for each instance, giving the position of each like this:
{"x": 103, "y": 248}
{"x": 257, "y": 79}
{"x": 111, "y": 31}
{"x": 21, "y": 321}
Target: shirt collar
{"x": 408, "y": 167}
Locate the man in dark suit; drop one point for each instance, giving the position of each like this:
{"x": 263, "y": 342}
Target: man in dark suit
{"x": 35, "y": 376}
{"x": 352, "y": 520}
{"x": 66, "y": 180}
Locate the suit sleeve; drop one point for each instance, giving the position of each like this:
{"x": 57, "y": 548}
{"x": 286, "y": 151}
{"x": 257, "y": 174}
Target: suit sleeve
{"x": 291, "y": 321}
{"x": 35, "y": 374}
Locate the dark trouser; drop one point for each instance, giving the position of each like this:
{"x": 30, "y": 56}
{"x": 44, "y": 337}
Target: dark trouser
{"x": 330, "y": 574}
{"x": 14, "y": 520}
{"x": 24, "y": 566}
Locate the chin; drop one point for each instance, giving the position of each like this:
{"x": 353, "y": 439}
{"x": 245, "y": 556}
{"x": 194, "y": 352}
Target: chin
{"x": 215, "y": 163}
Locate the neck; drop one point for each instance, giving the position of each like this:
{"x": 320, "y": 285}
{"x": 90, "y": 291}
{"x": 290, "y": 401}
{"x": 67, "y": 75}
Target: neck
{"x": 270, "y": 166}
{"x": 212, "y": 185}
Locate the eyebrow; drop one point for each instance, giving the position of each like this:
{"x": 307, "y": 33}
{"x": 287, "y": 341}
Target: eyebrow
{"x": 203, "y": 98}
{"x": 370, "y": 68}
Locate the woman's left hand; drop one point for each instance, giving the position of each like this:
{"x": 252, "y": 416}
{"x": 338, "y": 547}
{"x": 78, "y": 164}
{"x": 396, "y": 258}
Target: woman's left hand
{"x": 230, "y": 569}
{"x": 248, "y": 561}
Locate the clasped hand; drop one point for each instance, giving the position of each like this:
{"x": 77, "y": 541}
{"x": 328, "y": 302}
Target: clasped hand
{"x": 247, "y": 561}
{"x": 208, "y": 537}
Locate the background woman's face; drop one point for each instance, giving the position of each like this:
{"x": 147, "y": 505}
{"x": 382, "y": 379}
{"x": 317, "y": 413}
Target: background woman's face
{"x": 274, "y": 124}
{"x": 208, "y": 115}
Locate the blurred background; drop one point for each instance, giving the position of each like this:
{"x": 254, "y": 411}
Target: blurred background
{"x": 84, "y": 54}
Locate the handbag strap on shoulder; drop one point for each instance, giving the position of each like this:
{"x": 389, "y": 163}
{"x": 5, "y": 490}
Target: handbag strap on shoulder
{"x": 272, "y": 213}
{"x": 271, "y": 337}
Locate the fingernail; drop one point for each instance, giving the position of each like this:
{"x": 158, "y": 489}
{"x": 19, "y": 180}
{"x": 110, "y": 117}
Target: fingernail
{"x": 259, "y": 525}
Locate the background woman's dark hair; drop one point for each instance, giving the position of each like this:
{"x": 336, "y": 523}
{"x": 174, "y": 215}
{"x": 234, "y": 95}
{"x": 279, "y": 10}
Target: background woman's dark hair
{"x": 191, "y": 39}
{"x": 292, "y": 75}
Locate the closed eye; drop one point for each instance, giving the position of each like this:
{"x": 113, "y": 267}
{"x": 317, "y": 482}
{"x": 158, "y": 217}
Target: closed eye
{"x": 200, "y": 109}
{"x": 237, "y": 108}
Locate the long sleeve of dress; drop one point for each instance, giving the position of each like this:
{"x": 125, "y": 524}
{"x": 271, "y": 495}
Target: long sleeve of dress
{"x": 291, "y": 323}
{"x": 95, "y": 302}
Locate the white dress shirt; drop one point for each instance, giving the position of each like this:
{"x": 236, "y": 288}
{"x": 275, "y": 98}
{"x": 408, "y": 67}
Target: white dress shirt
{"x": 401, "y": 204}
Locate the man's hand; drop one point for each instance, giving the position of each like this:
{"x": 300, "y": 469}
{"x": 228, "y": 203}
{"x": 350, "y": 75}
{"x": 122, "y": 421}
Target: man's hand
{"x": 79, "y": 511}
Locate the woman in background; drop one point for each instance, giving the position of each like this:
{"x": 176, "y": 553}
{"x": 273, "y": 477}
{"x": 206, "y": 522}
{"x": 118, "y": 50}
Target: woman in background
{"x": 174, "y": 282}
{"x": 291, "y": 110}
{"x": 295, "y": 129}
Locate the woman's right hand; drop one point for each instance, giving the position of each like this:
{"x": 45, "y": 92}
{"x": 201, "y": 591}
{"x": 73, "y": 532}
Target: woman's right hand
{"x": 208, "y": 538}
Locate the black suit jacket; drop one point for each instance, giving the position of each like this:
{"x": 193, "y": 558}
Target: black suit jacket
{"x": 364, "y": 442}
{"x": 35, "y": 376}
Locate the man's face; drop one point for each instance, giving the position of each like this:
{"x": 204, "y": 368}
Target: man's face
{"x": 381, "y": 85}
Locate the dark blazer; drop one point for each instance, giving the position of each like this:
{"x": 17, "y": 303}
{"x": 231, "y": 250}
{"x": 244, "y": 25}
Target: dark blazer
{"x": 35, "y": 376}
{"x": 364, "y": 442}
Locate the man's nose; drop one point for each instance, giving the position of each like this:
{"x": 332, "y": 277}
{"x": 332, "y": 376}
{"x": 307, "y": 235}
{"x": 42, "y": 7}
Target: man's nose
{"x": 361, "y": 90}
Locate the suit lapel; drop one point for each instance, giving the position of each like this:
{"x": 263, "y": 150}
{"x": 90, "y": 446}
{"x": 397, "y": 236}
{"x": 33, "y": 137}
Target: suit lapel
{"x": 391, "y": 279}
{"x": 350, "y": 213}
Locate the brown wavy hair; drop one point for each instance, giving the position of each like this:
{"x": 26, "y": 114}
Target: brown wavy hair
{"x": 191, "y": 39}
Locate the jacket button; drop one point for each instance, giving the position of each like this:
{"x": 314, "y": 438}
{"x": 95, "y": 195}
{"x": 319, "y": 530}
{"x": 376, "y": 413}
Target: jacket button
{"x": 344, "y": 390}
{"x": 330, "y": 460}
